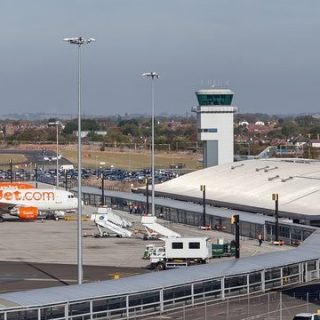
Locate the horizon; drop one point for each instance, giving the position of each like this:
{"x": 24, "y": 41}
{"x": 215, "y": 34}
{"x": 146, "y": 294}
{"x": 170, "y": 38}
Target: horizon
{"x": 40, "y": 116}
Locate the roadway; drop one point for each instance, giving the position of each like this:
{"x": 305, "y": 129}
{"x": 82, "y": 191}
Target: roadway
{"x": 34, "y": 156}
{"x": 23, "y": 275}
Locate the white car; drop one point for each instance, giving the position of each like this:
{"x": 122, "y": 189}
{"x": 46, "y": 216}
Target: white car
{"x": 307, "y": 316}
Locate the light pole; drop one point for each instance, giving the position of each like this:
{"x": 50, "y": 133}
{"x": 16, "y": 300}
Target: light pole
{"x": 147, "y": 195}
{"x": 66, "y": 179}
{"x": 36, "y": 174}
{"x": 203, "y": 189}
{"x": 56, "y": 124}
{"x": 79, "y": 41}
{"x": 152, "y": 76}
{"x": 235, "y": 219}
{"x": 275, "y": 198}
{"x": 102, "y": 189}
{"x": 11, "y": 171}
{"x": 57, "y": 181}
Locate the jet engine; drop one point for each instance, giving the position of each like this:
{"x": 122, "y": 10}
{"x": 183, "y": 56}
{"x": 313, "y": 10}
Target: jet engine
{"x": 28, "y": 213}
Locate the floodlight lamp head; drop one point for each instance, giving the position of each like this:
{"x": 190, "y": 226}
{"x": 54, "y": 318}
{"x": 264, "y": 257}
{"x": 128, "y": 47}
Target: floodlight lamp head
{"x": 152, "y": 75}
{"x": 69, "y": 39}
{"x": 74, "y": 40}
{"x": 79, "y": 40}
{"x": 90, "y": 40}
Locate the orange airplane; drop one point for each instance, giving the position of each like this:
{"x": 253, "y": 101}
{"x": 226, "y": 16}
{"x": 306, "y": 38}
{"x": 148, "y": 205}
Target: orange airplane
{"x": 25, "y": 201}
{"x": 18, "y": 185}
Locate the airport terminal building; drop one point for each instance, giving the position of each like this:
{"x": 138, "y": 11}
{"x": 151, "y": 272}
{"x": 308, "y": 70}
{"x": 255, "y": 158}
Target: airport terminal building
{"x": 249, "y": 185}
{"x": 243, "y": 188}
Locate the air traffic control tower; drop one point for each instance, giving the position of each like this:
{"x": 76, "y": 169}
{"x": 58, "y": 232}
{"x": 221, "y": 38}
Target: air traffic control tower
{"x": 215, "y": 125}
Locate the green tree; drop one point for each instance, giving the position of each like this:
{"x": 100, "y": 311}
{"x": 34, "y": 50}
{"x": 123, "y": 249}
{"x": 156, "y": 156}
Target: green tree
{"x": 290, "y": 130}
{"x": 306, "y": 121}
{"x": 86, "y": 125}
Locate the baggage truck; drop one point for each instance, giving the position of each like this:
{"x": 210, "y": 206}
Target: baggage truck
{"x": 181, "y": 252}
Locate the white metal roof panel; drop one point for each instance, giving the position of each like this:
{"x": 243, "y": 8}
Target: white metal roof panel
{"x": 251, "y": 183}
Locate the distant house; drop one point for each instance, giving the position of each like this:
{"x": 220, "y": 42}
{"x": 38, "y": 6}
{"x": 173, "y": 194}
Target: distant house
{"x": 243, "y": 123}
{"x": 259, "y": 123}
{"x": 85, "y": 133}
{"x": 300, "y": 141}
{"x": 315, "y": 144}
{"x": 9, "y": 129}
{"x": 101, "y": 133}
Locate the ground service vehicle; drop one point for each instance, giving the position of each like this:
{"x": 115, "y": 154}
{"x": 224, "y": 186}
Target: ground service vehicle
{"x": 181, "y": 252}
{"x": 226, "y": 249}
{"x": 307, "y": 316}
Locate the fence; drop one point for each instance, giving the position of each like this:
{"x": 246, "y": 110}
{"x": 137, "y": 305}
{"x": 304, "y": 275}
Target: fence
{"x": 270, "y": 306}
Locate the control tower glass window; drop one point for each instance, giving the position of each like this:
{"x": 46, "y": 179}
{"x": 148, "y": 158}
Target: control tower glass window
{"x": 215, "y": 100}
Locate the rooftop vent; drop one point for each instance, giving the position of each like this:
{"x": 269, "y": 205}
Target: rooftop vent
{"x": 286, "y": 179}
{"x": 264, "y": 168}
{"x": 272, "y": 178}
{"x": 269, "y": 169}
{"x": 238, "y": 166}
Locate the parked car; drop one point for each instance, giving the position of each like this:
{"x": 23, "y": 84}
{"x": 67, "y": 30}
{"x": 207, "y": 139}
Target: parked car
{"x": 307, "y": 316}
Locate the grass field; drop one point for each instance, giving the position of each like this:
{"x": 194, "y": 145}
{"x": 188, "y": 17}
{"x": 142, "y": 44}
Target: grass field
{"x": 5, "y": 159}
{"x": 93, "y": 157}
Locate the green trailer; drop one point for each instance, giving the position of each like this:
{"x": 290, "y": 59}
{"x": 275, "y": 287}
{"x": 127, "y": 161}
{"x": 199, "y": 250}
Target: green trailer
{"x": 223, "y": 250}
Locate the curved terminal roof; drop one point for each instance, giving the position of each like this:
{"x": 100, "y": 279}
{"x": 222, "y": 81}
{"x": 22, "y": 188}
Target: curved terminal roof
{"x": 249, "y": 185}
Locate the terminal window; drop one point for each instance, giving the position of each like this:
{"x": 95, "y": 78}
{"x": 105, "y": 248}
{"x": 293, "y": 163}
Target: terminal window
{"x": 212, "y": 130}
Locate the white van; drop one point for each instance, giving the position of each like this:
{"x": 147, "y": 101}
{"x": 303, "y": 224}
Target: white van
{"x": 65, "y": 167}
{"x": 307, "y": 316}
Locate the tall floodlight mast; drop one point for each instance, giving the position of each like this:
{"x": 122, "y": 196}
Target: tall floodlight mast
{"x": 152, "y": 76}
{"x": 79, "y": 41}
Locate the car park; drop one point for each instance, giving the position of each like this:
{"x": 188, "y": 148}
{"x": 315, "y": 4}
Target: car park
{"x": 49, "y": 175}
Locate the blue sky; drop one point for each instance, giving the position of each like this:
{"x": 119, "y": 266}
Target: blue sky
{"x": 268, "y": 52}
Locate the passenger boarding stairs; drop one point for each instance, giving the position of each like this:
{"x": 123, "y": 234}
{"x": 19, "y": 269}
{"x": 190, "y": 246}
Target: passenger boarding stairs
{"x": 106, "y": 219}
{"x": 151, "y": 226}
